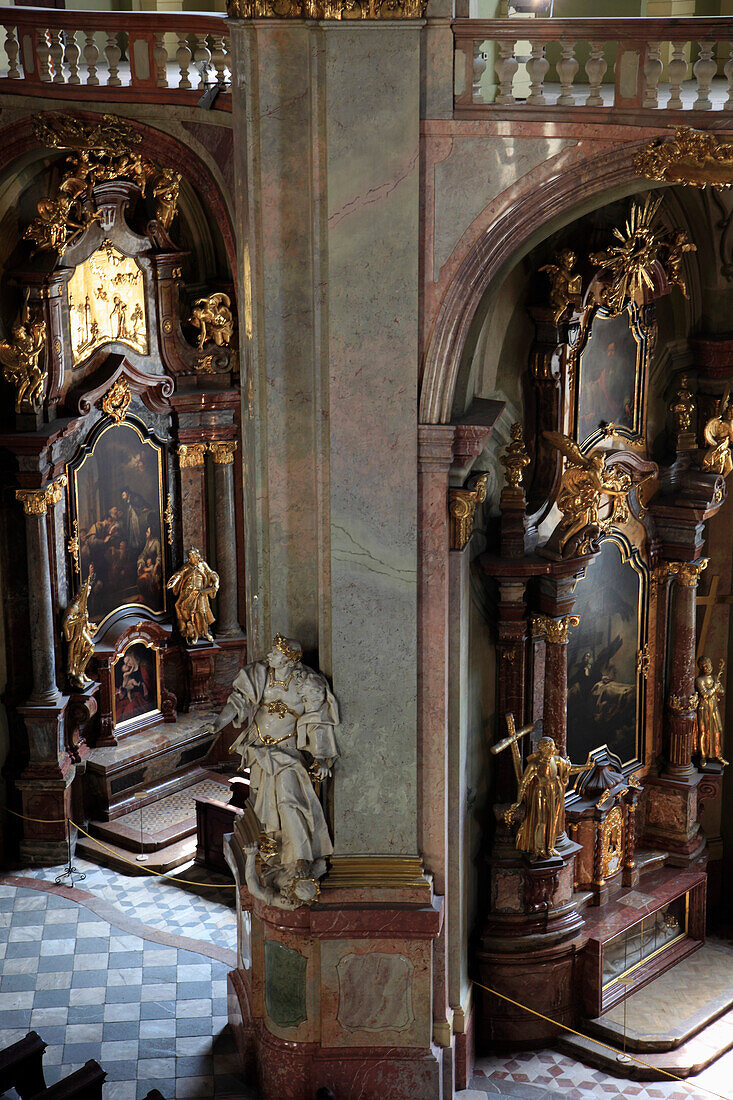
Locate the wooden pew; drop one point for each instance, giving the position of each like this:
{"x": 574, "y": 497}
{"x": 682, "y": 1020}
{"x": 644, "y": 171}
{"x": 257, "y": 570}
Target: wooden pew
{"x": 84, "y": 1084}
{"x": 21, "y": 1066}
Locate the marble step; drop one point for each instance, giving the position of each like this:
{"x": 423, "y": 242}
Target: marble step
{"x": 123, "y": 860}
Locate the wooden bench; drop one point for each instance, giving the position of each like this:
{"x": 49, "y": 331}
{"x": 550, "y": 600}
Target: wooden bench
{"x": 84, "y": 1084}
{"x": 21, "y": 1066}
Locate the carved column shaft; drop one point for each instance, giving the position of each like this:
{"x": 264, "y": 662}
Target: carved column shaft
{"x": 192, "y": 461}
{"x": 511, "y": 673}
{"x": 556, "y": 676}
{"x": 682, "y": 700}
{"x": 42, "y": 635}
{"x": 226, "y": 540}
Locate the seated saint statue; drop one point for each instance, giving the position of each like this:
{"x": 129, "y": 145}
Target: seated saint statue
{"x": 286, "y": 710}
{"x": 707, "y": 720}
{"x": 542, "y": 792}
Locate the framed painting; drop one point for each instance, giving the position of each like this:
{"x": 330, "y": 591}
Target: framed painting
{"x": 136, "y": 687}
{"x": 606, "y": 689}
{"x": 609, "y": 380}
{"x": 116, "y": 487}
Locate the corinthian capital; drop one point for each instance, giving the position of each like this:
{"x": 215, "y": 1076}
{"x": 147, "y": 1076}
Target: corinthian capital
{"x": 555, "y": 630}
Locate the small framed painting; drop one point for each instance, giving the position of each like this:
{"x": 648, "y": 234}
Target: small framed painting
{"x": 136, "y": 687}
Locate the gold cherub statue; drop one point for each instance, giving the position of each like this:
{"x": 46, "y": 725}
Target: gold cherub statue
{"x": 542, "y": 793}
{"x": 78, "y": 632}
{"x": 213, "y": 318}
{"x": 195, "y": 584}
{"x": 676, "y": 246}
{"x": 565, "y": 286}
{"x": 20, "y": 358}
{"x": 719, "y": 434}
{"x": 708, "y": 723}
{"x": 583, "y": 484}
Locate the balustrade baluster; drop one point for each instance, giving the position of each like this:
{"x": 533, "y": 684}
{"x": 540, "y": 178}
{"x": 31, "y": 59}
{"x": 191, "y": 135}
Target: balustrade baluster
{"x": 11, "y": 49}
{"x": 113, "y": 53}
{"x": 677, "y": 69}
{"x": 91, "y": 57}
{"x": 704, "y": 69}
{"x": 202, "y": 58}
{"x": 567, "y": 67}
{"x": 56, "y": 51}
{"x": 71, "y": 57}
{"x": 537, "y": 68}
{"x": 219, "y": 57}
{"x": 477, "y": 71}
{"x": 160, "y": 54}
{"x": 44, "y": 56}
{"x": 728, "y": 70}
{"x": 183, "y": 57}
{"x": 506, "y": 66}
{"x": 652, "y": 72}
{"x": 595, "y": 68}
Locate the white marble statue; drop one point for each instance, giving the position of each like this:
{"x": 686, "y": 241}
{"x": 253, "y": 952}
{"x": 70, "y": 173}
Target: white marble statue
{"x": 288, "y": 714}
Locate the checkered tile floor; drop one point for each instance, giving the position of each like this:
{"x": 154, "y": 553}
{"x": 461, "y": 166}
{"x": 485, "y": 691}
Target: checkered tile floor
{"x": 152, "y": 1016}
{"x": 548, "y": 1075}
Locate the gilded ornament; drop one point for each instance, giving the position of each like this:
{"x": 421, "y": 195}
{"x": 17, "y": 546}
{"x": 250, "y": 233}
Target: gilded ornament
{"x": 117, "y": 400}
{"x": 683, "y": 409}
{"x": 191, "y": 454}
{"x": 565, "y": 284}
{"x": 194, "y": 585}
{"x": 223, "y": 453}
{"x": 555, "y": 630}
{"x": 694, "y": 157}
{"x": 628, "y": 265}
{"x": 73, "y": 546}
{"x": 612, "y": 842}
{"x": 462, "y": 508}
{"x": 59, "y": 224}
{"x": 642, "y": 661}
{"x": 708, "y": 722}
{"x": 688, "y": 572}
{"x": 515, "y": 459}
{"x": 36, "y": 501}
{"x": 718, "y": 459}
{"x": 541, "y": 795}
{"x": 106, "y": 297}
{"x": 20, "y": 357}
{"x": 168, "y": 519}
{"x": 214, "y": 319}
{"x": 583, "y": 485}
{"x": 79, "y": 632}
{"x": 683, "y": 703}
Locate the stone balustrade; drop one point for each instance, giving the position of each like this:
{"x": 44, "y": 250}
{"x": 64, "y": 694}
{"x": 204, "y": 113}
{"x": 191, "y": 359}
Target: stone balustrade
{"x": 140, "y": 56}
{"x": 601, "y": 67}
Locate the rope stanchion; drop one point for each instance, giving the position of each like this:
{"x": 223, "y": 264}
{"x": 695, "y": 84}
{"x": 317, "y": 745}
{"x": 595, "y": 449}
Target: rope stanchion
{"x": 590, "y": 1039}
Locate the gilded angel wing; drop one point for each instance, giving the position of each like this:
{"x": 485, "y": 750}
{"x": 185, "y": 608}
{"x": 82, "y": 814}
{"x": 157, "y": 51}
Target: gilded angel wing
{"x": 567, "y": 447}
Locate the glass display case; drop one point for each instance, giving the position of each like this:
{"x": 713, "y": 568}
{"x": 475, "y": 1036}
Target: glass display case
{"x": 640, "y": 943}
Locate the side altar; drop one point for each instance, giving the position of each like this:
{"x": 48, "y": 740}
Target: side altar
{"x": 606, "y": 713}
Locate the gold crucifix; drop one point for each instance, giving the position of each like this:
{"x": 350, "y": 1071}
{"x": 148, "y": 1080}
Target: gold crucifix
{"x": 511, "y": 740}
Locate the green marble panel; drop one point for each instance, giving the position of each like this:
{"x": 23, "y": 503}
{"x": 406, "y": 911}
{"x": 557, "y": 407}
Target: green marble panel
{"x": 284, "y": 984}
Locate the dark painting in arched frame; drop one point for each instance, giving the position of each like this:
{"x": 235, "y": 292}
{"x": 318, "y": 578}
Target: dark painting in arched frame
{"x": 606, "y": 686}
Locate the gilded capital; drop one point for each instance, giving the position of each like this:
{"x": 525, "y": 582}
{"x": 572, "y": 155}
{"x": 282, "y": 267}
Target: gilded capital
{"x": 191, "y": 454}
{"x": 462, "y": 508}
{"x": 223, "y": 452}
{"x": 688, "y": 573}
{"x": 555, "y": 630}
{"x": 515, "y": 458}
{"x": 36, "y": 501}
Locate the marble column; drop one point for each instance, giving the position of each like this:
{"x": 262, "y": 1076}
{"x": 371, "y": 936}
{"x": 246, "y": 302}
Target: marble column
{"x": 226, "y": 539}
{"x": 555, "y": 632}
{"x": 192, "y": 459}
{"x": 682, "y": 699}
{"x": 42, "y": 636}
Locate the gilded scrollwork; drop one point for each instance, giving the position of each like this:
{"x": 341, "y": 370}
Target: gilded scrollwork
{"x": 117, "y": 400}
{"x": 612, "y": 842}
{"x": 683, "y": 703}
{"x": 462, "y": 508}
{"x": 695, "y": 157}
{"x": 21, "y": 360}
{"x": 515, "y": 458}
{"x": 584, "y": 483}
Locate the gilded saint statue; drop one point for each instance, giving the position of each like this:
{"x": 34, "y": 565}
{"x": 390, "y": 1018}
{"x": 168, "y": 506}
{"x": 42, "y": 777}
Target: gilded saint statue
{"x": 683, "y": 408}
{"x": 542, "y": 794}
{"x": 165, "y": 192}
{"x": 288, "y": 715}
{"x": 78, "y": 632}
{"x": 583, "y": 485}
{"x": 719, "y": 436}
{"x": 194, "y": 585}
{"x": 565, "y": 284}
{"x": 709, "y": 726}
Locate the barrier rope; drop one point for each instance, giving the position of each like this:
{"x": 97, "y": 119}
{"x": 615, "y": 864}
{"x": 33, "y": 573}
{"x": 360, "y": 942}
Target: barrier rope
{"x": 38, "y": 820}
{"x": 589, "y": 1039}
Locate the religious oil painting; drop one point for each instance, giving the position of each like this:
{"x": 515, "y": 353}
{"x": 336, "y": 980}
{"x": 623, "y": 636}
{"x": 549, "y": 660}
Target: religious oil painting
{"x": 107, "y": 303}
{"x": 604, "y": 701}
{"x": 117, "y": 494}
{"x": 136, "y": 685}
{"x": 609, "y": 376}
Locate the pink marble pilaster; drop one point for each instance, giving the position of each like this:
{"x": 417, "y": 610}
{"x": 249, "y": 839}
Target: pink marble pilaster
{"x": 680, "y": 708}
{"x": 435, "y": 455}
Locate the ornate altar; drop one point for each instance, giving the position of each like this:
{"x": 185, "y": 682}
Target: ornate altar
{"x": 597, "y": 557}
{"x": 122, "y": 454}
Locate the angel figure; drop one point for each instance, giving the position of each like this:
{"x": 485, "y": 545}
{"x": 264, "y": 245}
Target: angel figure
{"x": 677, "y": 245}
{"x": 565, "y": 287}
{"x": 214, "y": 320}
{"x": 165, "y": 193}
{"x": 719, "y": 434}
{"x": 20, "y": 359}
{"x": 584, "y": 483}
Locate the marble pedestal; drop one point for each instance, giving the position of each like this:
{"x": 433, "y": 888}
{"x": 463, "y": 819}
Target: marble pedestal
{"x": 336, "y": 995}
{"x": 45, "y": 786}
{"x": 671, "y": 821}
